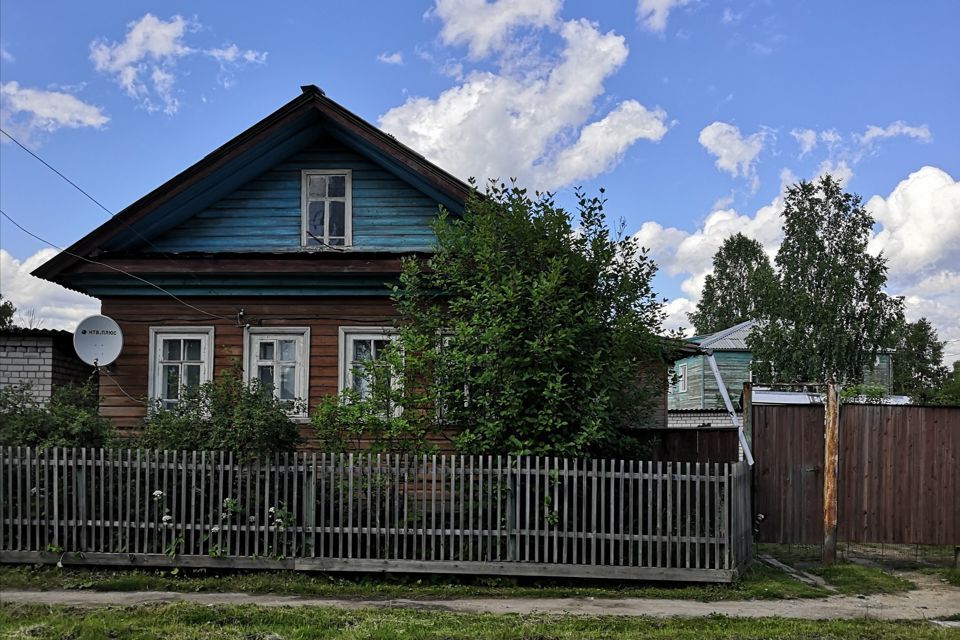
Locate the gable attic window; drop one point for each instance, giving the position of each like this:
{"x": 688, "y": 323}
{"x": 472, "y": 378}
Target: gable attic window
{"x": 682, "y": 378}
{"x": 326, "y": 208}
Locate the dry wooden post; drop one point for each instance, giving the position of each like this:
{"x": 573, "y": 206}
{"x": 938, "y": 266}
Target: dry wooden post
{"x": 831, "y": 438}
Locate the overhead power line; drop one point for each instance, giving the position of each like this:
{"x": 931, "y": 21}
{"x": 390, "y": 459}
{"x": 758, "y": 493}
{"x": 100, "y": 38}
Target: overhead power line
{"x": 110, "y": 266}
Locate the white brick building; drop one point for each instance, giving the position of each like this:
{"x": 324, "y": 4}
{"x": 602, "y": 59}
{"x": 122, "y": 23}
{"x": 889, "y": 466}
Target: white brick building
{"x": 40, "y": 358}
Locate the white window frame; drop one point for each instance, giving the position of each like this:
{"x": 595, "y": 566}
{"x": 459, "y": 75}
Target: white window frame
{"x": 159, "y": 334}
{"x": 251, "y": 354}
{"x": 347, "y": 336}
{"x": 682, "y": 377}
{"x": 347, "y": 214}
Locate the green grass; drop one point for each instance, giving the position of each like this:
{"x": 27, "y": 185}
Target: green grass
{"x": 854, "y": 579}
{"x": 183, "y": 621}
{"x": 950, "y": 576}
{"x": 760, "y": 582}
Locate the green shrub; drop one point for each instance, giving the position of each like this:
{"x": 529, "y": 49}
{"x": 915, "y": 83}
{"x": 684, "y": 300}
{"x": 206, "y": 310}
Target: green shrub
{"x": 69, "y": 419}
{"x": 225, "y": 414}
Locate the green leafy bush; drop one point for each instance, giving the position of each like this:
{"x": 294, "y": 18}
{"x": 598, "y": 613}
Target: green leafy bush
{"x": 69, "y": 419}
{"x": 225, "y": 414}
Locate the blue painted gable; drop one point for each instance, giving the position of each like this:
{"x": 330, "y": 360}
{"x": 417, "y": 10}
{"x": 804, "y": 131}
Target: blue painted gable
{"x": 389, "y": 214}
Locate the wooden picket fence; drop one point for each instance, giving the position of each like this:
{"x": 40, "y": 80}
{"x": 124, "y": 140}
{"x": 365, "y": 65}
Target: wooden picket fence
{"x": 497, "y": 515}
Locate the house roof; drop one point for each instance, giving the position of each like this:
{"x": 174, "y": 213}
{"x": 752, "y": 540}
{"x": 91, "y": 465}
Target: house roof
{"x": 285, "y": 131}
{"x": 730, "y": 339}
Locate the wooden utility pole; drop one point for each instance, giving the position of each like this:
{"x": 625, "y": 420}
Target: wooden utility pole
{"x": 831, "y": 448}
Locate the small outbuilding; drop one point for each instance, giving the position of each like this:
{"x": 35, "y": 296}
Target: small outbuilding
{"x": 42, "y": 359}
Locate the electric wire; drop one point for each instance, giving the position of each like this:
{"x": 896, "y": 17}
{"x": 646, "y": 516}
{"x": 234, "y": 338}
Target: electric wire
{"x": 118, "y": 270}
{"x": 90, "y": 197}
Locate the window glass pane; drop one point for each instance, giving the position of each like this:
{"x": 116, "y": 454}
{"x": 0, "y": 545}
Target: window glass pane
{"x": 171, "y": 382}
{"x": 265, "y": 376}
{"x": 171, "y": 349}
{"x": 361, "y": 350}
{"x": 288, "y": 378}
{"x": 288, "y": 351}
{"x": 360, "y": 382}
{"x": 337, "y": 225}
{"x": 191, "y": 350}
{"x": 378, "y": 347}
{"x": 317, "y": 187}
{"x": 315, "y": 220}
{"x": 191, "y": 375}
{"x": 266, "y": 350}
{"x": 337, "y": 186}
{"x": 335, "y": 242}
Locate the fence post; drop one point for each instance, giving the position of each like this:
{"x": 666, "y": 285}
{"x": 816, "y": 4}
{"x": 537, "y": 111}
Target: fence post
{"x": 831, "y": 429}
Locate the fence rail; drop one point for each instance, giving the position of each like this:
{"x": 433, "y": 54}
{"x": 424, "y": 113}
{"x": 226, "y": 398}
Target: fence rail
{"x": 377, "y": 512}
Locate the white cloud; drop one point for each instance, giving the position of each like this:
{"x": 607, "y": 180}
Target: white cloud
{"x": 735, "y": 153}
{"x": 806, "y": 138}
{"x": 5, "y": 54}
{"x": 144, "y": 63}
{"x": 531, "y": 118}
{"x": 391, "y": 58}
{"x": 56, "y": 307}
{"x": 920, "y": 224}
{"x": 653, "y": 14}
{"x": 676, "y": 311}
{"x": 898, "y": 128}
{"x": 26, "y": 111}
{"x": 485, "y": 26}
{"x": 729, "y": 17}
{"x": 840, "y": 170}
{"x": 918, "y": 230}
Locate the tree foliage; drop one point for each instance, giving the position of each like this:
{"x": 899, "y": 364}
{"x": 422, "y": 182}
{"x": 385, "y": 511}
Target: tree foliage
{"x": 830, "y": 315}
{"x": 918, "y": 369}
{"x": 949, "y": 391}
{"x": 225, "y": 414}
{"x": 523, "y": 333}
{"x": 741, "y": 281}
{"x": 7, "y": 310}
{"x": 70, "y": 418}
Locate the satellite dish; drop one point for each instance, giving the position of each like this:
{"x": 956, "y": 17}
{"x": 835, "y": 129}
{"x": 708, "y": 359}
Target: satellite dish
{"x": 98, "y": 340}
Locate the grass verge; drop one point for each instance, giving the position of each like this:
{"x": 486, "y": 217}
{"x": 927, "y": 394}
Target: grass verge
{"x": 760, "y": 582}
{"x": 182, "y": 621}
{"x": 950, "y": 576}
{"x": 854, "y": 579}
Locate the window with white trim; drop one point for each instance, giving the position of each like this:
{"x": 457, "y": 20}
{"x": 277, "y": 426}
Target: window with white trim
{"x": 278, "y": 358}
{"x": 361, "y": 347}
{"x": 682, "y": 377}
{"x": 181, "y": 359}
{"x": 327, "y": 208}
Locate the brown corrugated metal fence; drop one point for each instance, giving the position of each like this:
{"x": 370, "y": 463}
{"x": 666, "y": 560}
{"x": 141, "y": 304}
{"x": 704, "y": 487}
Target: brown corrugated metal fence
{"x": 899, "y": 474}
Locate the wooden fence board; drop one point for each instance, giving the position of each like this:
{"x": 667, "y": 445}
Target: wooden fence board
{"x": 899, "y": 474}
{"x": 392, "y": 513}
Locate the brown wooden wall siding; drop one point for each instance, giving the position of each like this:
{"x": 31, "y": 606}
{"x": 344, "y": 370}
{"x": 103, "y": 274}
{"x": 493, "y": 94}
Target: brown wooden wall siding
{"x": 899, "y": 474}
{"x": 788, "y": 474}
{"x": 135, "y": 316}
{"x": 696, "y": 445}
{"x": 324, "y": 316}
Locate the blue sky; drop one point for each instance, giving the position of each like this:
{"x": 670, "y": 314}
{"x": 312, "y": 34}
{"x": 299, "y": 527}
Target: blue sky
{"x": 692, "y": 114}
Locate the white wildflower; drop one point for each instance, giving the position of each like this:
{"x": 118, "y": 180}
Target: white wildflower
{"x": 167, "y": 519}
{"x": 215, "y": 528}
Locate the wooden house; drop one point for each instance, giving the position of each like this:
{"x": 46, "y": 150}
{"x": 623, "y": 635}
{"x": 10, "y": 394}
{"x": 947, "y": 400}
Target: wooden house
{"x": 274, "y": 252}
{"x": 693, "y": 385}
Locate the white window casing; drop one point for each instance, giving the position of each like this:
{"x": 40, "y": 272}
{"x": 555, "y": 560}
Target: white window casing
{"x": 179, "y": 357}
{"x": 324, "y": 195}
{"x": 355, "y": 340}
{"x": 279, "y": 357}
